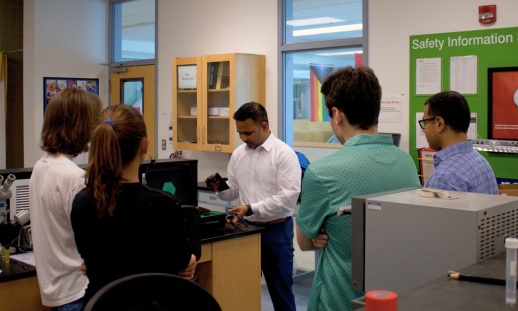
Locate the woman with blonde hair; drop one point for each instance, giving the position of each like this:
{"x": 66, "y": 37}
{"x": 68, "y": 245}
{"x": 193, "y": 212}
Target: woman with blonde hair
{"x": 122, "y": 227}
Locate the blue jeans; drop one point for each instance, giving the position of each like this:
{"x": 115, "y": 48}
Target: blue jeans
{"x": 77, "y": 305}
{"x": 277, "y": 263}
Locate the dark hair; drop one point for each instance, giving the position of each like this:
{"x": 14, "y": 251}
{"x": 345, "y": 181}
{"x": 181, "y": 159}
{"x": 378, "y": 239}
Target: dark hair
{"x": 452, "y": 107}
{"x": 69, "y": 118}
{"x": 115, "y": 143}
{"x": 251, "y": 110}
{"x": 356, "y": 92}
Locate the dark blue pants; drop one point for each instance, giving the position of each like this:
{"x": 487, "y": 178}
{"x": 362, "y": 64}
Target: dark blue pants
{"x": 277, "y": 263}
{"x": 72, "y": 306}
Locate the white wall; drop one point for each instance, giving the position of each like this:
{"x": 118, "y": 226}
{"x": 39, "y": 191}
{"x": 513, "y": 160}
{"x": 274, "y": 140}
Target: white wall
{"x": 62, "y": 38}
{"x": 201, "y": 27}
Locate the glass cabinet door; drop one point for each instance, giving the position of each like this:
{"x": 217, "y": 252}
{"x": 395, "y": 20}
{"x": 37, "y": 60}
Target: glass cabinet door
{"x": 218, "y": 118}
{"x": 206, "y": 92}
{"x": 186, "y": 104}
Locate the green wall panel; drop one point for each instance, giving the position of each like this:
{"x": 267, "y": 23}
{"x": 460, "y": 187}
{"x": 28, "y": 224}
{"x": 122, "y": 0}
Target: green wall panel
{"x": 496, "y": 47}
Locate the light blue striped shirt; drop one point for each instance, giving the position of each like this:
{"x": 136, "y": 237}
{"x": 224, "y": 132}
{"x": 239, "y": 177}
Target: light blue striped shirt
{"x": 461, "y": 168}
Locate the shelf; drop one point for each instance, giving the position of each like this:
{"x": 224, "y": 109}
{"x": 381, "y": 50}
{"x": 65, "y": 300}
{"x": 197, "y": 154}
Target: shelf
{"x": 219, "y": 117}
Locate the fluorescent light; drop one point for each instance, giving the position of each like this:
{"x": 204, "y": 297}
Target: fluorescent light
{"x": 317, "y": 31}
{"x": 314, "y": 21}
{"x": 341, "y": 53}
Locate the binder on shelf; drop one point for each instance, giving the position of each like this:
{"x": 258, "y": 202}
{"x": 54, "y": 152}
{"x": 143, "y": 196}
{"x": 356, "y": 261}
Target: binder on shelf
{"x": 220, "y": 74}
{"x": 225, "y": 82}
{"x": 426, "y": 167}
{"x": 213, "y": 76}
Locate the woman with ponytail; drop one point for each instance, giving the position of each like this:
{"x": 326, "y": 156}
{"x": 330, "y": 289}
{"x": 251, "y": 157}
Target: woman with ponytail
{"x": 122, "y": 227}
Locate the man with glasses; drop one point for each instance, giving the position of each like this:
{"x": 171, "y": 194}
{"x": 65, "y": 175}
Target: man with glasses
{"x": 457, "y": 165}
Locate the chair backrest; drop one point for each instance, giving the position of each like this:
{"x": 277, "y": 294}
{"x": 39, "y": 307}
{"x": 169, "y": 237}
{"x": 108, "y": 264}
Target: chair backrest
{"x": 192, "y": 220}
{"x": 152, "y": 291}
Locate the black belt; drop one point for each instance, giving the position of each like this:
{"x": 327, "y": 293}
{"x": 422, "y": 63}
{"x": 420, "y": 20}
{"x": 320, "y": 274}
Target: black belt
{"x": 271, "y": 222}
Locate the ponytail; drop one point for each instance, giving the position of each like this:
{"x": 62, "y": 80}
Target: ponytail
{"x": 115, "y": 143}
{"x": 104, "y": 170}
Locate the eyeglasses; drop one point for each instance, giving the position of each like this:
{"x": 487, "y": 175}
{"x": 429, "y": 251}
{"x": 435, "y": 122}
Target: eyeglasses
{"x": 422, "y": 123}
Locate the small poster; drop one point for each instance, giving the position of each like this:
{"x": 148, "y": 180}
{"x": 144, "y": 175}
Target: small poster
{"x": 428, "y": 76}
{"x": 463, "y": 74}
{"x": 187, "y": 77}
{"x": 51, "y": 86}
{"x": 390, "y": 109}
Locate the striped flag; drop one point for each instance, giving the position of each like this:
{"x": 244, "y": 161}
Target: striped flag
{"x": 317, "y": 75}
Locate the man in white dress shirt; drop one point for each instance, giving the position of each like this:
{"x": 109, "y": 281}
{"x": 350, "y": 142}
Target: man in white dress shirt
{"x": 265, "y": 173}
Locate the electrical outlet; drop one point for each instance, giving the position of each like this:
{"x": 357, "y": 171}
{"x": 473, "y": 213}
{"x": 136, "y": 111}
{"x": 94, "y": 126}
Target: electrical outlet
{"x": 163, "y": 144}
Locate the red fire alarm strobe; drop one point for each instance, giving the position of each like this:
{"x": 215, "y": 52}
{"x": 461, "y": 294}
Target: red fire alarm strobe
{"x": 487, "y": 14}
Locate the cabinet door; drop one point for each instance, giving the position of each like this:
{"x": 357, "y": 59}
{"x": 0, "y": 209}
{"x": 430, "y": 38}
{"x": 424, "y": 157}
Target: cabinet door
{"x": 224, "y": 82}
{"x": 187, "y": 104}
{"x": 218, "y": 125}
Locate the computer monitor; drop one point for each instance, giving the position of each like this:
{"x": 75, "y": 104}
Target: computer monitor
{"x": 396, "y": 138}
{"x": 176, "y": 176}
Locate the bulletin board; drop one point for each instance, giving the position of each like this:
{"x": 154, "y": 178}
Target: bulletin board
{"x": 488, "y": 48}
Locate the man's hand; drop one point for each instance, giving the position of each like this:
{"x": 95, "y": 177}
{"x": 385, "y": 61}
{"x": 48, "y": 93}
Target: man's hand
{"x": 83, "y": 267}
{"x": 188, "y": 273}
{"x": 213, "y": 185}
{"x": 241, "y": 210}
{"x": 321, "y": 240}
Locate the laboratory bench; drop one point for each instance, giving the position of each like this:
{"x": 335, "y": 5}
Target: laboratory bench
{"x": 229, "y": 269}
{"x": 208, "y": 199}
{"x": 447, "y": 294}
{"x": 19, "y": 288}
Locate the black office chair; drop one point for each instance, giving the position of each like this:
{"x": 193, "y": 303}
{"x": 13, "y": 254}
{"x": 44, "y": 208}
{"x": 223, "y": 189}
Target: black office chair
{"x": 192, "y": 221}
{"x": 152, "y": 291}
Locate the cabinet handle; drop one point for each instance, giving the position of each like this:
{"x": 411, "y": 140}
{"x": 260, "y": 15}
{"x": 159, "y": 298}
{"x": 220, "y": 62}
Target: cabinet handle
{"x": 203, "y": 134}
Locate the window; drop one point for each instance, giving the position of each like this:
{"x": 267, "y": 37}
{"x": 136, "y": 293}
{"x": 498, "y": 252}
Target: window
{"x": 132, "y": 93}
{"x": 319, "y": 36}
{"x": 133, "y": 27}
{"x": 320, "y": 20}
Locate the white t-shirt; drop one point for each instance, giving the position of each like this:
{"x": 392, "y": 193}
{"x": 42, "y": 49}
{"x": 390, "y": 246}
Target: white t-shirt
{"x": 53, "y": 185}
{"x": 267, "y": 178}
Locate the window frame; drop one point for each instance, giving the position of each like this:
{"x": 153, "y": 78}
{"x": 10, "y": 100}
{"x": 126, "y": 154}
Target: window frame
{"x": 285, "y": 48}
{"x": 114, "y": 37}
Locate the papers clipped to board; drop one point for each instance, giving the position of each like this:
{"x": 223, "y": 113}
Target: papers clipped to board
{"x": 437, "y": 193}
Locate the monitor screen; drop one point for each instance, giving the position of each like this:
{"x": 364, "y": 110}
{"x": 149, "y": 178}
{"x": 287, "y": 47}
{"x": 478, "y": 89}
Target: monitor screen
{"x": 502, "y": 102}
{"x": 175, "y": 176}
{"x": 396, "y": 138}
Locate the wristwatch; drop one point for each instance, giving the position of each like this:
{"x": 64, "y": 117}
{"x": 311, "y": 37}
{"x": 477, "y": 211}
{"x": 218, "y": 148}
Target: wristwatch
{"x": 249, "y": 210}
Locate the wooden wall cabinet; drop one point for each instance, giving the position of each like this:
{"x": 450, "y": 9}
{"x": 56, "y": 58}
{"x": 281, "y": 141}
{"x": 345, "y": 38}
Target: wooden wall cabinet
{"x": 207, "y": 90}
